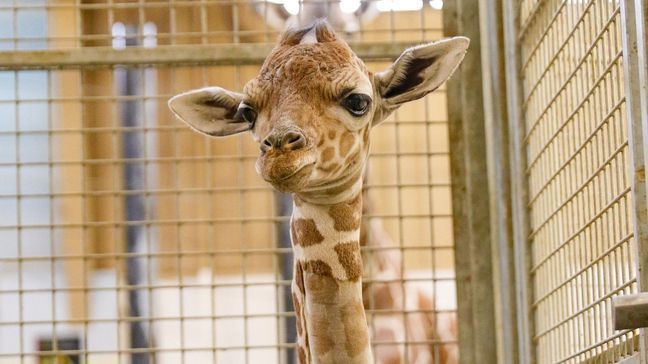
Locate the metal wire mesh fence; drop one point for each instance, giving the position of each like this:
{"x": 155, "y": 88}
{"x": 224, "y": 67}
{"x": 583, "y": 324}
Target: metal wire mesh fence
{"x": 577, "y": 152}
{"x": 127, "y": 238}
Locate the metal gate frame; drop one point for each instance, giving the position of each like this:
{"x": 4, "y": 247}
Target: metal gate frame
{"x": 476, "y": 307}
{"x": 502, "y": 220}
{"x": 634, "y": 15}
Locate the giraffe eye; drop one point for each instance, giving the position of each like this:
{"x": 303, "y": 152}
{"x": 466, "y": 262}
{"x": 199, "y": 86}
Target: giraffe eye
{"x": 357, "y": 104}
{"x": 248, "y": 114}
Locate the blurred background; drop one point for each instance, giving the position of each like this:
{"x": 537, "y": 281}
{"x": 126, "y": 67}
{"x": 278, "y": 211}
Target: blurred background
{"x": 126, "y": 237}
{"x": 504, "y": 212}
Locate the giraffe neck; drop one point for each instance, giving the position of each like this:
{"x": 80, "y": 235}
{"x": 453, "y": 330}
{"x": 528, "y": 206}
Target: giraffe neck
{"x": 327, "y": 285}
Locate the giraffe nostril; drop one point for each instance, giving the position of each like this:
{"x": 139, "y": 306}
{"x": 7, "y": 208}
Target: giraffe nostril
{"x": 293, "y": 140}
{"x": 266, "y": 145}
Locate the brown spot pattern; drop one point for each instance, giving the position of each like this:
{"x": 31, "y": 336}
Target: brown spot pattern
{"x": 319, "y": 267}
{"x": 350, "y": 259}
{"x": 332, "y": 134}
{"x": 299, "y": 278}
{"x": 346, "y": 142}
{"x": 328, "y": 154}
{"x": 302, "y": 355}
{"x": 355, "y": 328}
{"x": 298, "y": 313}
{"x": 347, "y": 215}
{"x": 305, "y": 233}
{"x": 322, "y": 341}
{"x": 306, "y": 343}
{"x": 383, "y": 298}
{"x": 322, "y": 287}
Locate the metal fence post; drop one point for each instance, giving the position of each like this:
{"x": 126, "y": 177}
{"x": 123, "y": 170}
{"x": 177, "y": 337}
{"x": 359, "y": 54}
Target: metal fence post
{"x": 519, "y": 188}
{"x": 477, "y": 328}
{"x": 635, "y": 71}
{"x": 499, "y": 178}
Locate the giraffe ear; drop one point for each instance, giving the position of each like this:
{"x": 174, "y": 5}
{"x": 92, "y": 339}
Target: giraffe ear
{"x": 417, "y": 72}
{"x": 212, "y": 111}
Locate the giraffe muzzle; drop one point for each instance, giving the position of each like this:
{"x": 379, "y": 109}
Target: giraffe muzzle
{"x": 286, "y": 141}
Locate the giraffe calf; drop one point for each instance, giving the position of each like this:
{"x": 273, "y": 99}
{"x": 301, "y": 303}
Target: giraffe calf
{"x": 311, "y": 109}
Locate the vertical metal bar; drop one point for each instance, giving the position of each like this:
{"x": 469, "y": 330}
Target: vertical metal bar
{"x": 641, "y": 23}
{"x": 477, "y": 338}
{"x": 641, "y": 18}
{"x": 134, "y": 205}
{"x": 519, "y": 193}
{"x": 499, "y": 183}
{"x": 460, "y": 205}
{"x": 634, "y": 67}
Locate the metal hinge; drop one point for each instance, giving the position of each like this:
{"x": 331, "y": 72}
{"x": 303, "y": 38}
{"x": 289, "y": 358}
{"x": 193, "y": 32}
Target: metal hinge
{"x": 630, "y": 311}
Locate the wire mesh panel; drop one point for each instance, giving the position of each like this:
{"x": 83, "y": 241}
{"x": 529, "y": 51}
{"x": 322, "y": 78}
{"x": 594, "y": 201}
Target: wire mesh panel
{"x": 577, "y": 153}
{"x": 126, "y": 237}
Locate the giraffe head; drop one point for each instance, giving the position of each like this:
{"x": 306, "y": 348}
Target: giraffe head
{"x": 312, "y": 106}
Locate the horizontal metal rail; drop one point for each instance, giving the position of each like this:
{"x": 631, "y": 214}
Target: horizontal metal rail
{"x": 267, "y": 34}
{"x": 167, "y": 160}
{"x": 376, "y": 312}
{"x": 583, "y": 228}
{"x": 614, "y": 337}
{"x": 590, "y": 306}
{"x": 217, "y": 54}
{"x": 630, "y": 311}
{"x": 211, "y": 190}
{"x": 184, "y": 222}
{"x": 606, "y": 254}
{"x": 46, "y": 353}
{"x": 199, "y": 253}
{"x": 150, "y": 4}
{"x": 182, "y": 285}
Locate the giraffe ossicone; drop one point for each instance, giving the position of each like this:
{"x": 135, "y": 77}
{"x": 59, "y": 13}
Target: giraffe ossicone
{"x": 311, "y": 108}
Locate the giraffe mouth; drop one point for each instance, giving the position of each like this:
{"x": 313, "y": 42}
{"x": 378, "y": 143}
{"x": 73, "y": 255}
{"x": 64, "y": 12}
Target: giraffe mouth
{"x": 293, "y": 174}
{"x": 285, "y": 175}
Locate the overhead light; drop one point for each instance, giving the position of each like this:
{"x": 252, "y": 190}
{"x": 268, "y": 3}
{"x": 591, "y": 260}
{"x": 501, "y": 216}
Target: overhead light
{"x": 349, "y": 6}
{"x": 341, "y": 14}
{"x": 291, "y": 6}
{"x": 118, "y": 35}
{"x": 436, "y": 4}
{"x": 150, "y": 35}
{"x": 399, "y": 5}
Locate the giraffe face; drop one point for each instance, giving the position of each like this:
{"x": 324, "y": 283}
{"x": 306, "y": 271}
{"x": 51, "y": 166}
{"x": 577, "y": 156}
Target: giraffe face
{"x": 313, "y": 104}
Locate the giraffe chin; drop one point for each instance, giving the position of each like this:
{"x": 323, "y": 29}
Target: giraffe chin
{"x": 288, "y": 178}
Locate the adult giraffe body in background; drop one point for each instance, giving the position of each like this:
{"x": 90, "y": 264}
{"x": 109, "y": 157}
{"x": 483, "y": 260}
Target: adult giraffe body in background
{"x": 311, "y": 109}
{"x": 430, "y": 334}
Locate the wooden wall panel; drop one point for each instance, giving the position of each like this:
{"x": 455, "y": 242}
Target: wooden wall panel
{"x": 69, "y": 177}
{"x": 191, "y": 217}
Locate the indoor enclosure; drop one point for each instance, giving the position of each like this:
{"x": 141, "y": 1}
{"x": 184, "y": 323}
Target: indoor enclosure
{"x": 503, "y": 213}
